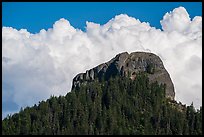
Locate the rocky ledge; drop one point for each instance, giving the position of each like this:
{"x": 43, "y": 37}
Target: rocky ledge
{"x": 129, "y": 65}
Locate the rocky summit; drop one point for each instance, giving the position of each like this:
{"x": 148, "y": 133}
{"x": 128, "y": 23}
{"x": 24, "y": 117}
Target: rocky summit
{"x": 129, "y": 65}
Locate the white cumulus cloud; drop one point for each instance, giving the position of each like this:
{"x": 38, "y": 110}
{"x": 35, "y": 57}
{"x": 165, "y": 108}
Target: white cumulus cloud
{"x": 36, "y": 66}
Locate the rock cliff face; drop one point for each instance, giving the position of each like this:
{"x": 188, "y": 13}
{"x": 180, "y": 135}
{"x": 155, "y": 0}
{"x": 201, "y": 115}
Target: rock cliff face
{"x": 129, "y": 65}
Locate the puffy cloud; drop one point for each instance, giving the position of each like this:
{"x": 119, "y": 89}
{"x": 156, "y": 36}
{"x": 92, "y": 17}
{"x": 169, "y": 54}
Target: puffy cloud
{"x": 177, "y": 20}
{"x": 36, "y": 66}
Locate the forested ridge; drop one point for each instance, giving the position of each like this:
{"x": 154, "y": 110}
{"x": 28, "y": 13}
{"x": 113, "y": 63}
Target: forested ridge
{"x": 116, "y": 106}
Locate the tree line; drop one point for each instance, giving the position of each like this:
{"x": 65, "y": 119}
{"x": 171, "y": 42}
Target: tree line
{"x": 113, "y": 107}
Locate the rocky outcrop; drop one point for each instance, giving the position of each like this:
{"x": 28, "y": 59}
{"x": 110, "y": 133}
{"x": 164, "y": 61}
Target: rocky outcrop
{"x": 129, "y": 65}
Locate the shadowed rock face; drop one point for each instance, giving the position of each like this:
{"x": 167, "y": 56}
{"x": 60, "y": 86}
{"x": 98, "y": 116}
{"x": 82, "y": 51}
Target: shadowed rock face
{"x": 129, "y": 65}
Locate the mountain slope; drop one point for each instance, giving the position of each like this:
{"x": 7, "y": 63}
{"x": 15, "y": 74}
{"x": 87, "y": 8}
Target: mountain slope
{"x": 110, "y": 104}
{"x": 129, "y": 65}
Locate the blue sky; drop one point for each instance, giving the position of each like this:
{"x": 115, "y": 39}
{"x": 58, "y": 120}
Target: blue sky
{"x": 35, "y": 16}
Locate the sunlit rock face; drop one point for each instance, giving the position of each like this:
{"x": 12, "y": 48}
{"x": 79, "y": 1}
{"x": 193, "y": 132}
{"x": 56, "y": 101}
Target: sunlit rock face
{"x": 129, "y": 65}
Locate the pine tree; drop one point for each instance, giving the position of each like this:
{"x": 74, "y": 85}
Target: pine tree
{"x": 117, "y": 106}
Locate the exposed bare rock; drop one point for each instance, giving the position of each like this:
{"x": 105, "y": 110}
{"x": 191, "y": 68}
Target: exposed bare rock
{"x": 129, "y": 65}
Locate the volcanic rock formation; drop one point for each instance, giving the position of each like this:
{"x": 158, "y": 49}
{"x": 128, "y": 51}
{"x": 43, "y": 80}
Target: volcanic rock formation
{"x": 129, "y": 65}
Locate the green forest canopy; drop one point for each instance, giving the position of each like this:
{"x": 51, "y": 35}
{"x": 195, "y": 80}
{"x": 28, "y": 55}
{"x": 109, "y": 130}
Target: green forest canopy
{"x": 117, "y": 106}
